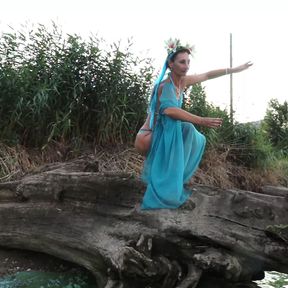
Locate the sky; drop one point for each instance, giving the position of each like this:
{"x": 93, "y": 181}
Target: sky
{"x": 258, "y": 28}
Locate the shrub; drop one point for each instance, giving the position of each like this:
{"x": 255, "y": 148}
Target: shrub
{"x": 250, "y": 147}
{"x": 197, "y": 104}
{"x": 276, "y": 124}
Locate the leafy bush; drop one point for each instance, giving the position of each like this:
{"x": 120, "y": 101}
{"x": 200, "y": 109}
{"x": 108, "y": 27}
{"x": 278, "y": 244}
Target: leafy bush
{"x": 250, "y": 147}
{"x": 246, "y": 143}
{"x": 197, "y": 104}
{"x": 276, "y": 124}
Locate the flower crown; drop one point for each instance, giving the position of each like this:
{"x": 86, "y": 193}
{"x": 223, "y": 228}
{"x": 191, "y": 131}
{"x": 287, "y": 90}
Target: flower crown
{"x": 173, "y": 45}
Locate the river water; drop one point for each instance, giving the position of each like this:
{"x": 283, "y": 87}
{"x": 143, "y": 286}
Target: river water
{"x": 274, "y": 280}
{"x": 36, "y": 279}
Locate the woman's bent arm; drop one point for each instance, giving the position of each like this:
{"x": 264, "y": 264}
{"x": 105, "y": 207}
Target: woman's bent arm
{"x": 180, "y": 114}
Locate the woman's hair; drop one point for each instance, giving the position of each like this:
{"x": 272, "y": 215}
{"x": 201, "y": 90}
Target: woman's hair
{"x": 153, "y": 100}
{"x": 178, "y": 51}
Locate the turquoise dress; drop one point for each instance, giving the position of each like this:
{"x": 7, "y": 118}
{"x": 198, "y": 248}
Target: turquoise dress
{"x": 175, "y": 153}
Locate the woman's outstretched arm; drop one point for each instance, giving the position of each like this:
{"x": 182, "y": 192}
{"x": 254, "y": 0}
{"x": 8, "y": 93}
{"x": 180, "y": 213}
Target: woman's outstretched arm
{"x": 197, "y": 78}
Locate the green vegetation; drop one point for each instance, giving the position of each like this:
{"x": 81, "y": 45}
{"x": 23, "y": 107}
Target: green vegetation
{"x": 60, "y": 91}
{"x": 61, "y": 88}
{"x": 248, "y": 144}
{"x": 197, "y": 104}
{"x": 276, "y": 125}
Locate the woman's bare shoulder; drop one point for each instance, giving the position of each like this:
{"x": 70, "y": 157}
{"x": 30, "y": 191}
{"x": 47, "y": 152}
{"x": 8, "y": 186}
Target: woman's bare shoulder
{"x": 162, "y": 85}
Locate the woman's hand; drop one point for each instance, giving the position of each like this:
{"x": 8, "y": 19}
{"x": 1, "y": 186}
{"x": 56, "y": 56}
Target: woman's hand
{"x": 211, "y": 122}
{"x": 241, "y": 67}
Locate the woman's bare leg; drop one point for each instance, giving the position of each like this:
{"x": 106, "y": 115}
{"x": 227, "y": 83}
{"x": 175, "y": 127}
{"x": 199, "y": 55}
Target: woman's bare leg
{"x": 142, "y": 143}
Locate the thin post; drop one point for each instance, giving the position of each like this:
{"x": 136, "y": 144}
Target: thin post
{"x": 231, "y": 81}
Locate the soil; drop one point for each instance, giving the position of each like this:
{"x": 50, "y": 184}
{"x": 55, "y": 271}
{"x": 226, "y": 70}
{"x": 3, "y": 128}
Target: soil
{"x": 15, "y": 260}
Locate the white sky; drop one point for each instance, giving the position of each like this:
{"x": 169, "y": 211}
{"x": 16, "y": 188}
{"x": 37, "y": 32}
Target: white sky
{"x": 259, "y": 29}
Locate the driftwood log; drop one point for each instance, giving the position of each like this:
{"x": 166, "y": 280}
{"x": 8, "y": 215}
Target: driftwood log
{"x": 224, "y": 237}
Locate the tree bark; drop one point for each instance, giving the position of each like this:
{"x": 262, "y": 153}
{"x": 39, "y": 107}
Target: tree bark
{"x": 93, "y": 219}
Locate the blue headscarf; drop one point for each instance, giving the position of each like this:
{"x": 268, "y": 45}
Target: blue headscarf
{"x": 153, "y": 101}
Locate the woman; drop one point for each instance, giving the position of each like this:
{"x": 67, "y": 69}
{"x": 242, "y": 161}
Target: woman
{"x": 168, "y": 138}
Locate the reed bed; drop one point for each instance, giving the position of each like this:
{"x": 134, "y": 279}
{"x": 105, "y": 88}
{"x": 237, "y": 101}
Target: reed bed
{"x": 56, "y": 87}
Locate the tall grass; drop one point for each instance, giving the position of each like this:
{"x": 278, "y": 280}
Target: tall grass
{"x": 60, "y": 87}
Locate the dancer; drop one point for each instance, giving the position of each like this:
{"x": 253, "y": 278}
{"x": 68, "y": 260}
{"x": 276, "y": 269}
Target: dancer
{"x": 172, "y": 145}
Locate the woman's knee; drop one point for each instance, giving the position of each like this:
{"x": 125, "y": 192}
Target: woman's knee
{"x": 188, "y": 130}
{"x": 187, "y": 127}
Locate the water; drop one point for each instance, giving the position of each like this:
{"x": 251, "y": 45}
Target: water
{"x": 37, "y": 279}
{"x": 274, "y": 280}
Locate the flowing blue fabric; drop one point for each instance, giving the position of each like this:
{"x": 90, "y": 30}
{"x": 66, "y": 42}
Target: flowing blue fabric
{"x": 175, "y": 153}
{"x": 153, "y": 101}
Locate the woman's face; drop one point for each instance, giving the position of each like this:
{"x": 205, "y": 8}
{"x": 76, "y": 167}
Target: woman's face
{"x": 181, "y": 64}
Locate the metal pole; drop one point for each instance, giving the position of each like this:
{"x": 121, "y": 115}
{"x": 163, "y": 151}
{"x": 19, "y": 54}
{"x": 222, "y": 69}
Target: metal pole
{"x": 231, "y": 82}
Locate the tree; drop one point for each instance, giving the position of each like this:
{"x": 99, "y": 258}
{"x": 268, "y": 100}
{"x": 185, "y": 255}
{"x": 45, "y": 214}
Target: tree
{"x": 197, "y": 104}
{"x": 276, "y": 124}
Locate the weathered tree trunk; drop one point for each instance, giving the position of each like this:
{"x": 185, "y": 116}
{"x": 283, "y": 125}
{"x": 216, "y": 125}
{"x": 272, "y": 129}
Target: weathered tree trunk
{"x": 93, "y": 219}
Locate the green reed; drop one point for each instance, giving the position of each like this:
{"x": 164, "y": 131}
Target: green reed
{"x": 60, "y": 87}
